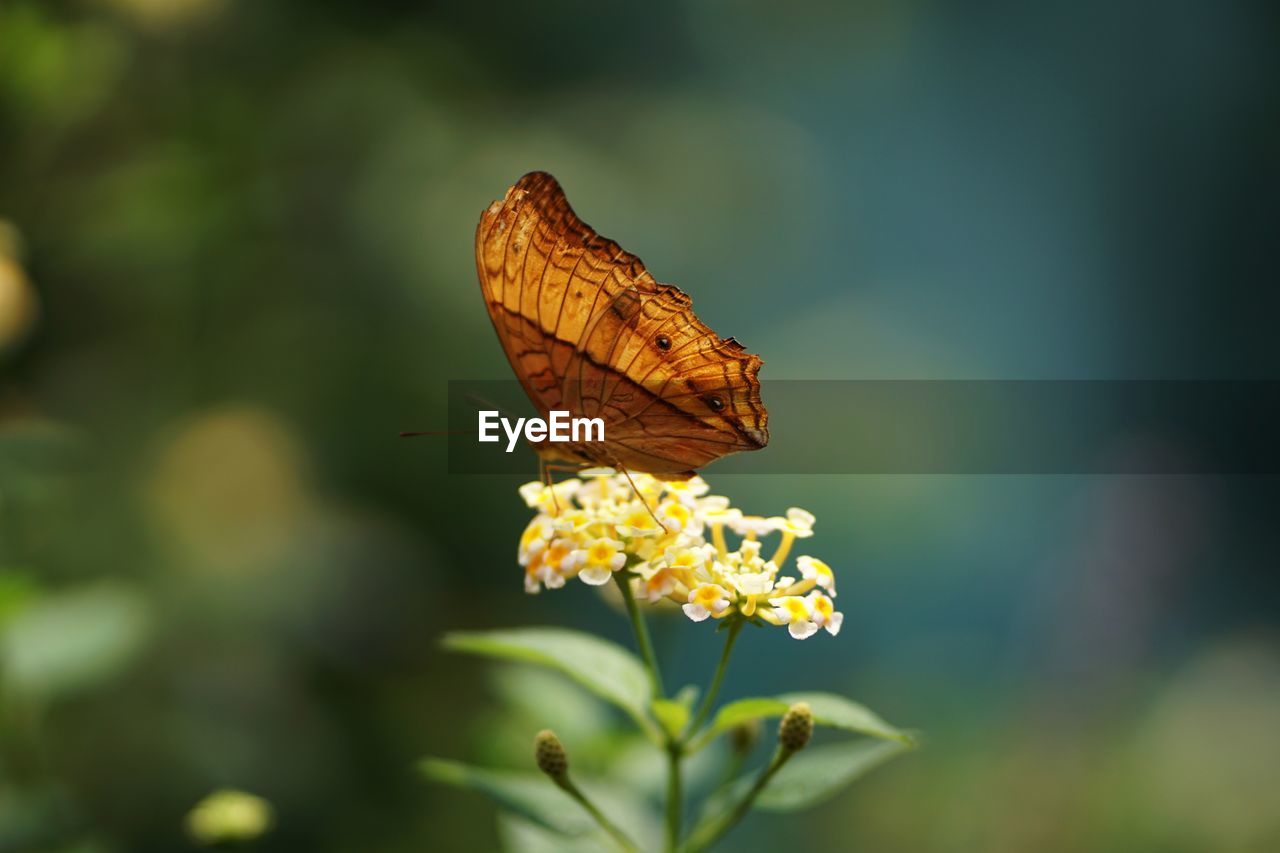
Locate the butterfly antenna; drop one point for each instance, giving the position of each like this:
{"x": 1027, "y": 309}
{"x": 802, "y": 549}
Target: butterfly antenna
{"x": 489, "y": 404}
{"x": 438, "y": 432}
{"x": 473, "y": 397}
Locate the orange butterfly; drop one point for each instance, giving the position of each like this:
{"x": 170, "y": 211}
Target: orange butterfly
{"x": 587, "y": 329}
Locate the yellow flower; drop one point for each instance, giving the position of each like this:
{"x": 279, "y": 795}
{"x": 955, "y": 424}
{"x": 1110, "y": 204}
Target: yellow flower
{"x": 550, "y": 566}
{"x": 797, "y": 614}
{"x": 812, "y": 569}
{"x": 678, "y": 517}
{"x": 600, "y": 560}
{"x": 638, "y": 521}
{"x": 600, "y": 524}
{"x": 824, "y": 613}
{"x": 659, "y": 583}
{"x": 535, "y": 538}
{"x": 707, "y": 599}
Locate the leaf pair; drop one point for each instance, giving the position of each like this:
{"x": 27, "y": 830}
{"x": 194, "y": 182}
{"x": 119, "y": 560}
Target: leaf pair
{"x": 618, "y": 677}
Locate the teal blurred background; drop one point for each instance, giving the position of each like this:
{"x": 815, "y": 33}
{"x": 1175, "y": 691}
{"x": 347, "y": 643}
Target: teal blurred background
{"x": 236, "y": 259}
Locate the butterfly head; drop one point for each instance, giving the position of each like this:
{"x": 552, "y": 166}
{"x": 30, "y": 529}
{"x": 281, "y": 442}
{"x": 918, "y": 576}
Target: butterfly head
{"x": 729, "y": 396}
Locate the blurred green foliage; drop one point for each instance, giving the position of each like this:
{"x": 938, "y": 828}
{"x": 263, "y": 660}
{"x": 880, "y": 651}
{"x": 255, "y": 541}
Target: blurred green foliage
{"x": 236, "y": 259}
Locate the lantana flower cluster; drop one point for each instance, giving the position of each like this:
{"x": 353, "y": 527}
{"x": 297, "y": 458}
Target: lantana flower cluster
{"x": 671, "y": 537}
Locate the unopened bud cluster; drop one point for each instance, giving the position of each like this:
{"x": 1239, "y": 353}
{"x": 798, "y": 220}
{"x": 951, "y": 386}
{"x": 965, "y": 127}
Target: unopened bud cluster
{"x": 550, "y": 754}
{"x": 796, "y": 727}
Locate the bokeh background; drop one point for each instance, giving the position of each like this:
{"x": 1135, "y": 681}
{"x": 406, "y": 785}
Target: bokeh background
{"x": 235, "y": 260}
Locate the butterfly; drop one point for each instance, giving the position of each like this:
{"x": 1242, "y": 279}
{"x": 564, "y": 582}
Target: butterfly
{"x": 587, "y": 329}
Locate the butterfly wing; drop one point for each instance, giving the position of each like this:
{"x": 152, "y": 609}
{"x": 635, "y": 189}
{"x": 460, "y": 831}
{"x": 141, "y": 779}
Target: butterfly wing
{"x": 587, "y": 329}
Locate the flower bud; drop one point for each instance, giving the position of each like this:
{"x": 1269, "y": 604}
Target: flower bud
{"x": 796, "y": 727}
{"x": 744, "y": 736}
{"x": 550, "y": 755}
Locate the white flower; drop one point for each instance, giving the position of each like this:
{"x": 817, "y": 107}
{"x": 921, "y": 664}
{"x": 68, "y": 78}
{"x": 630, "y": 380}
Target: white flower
{"x": 752, "y": 526}
{"x": 824, "y": 613}
{"x": 708, "y": 599}
{"x": 813, "y": 569}
{"x": 550, "y": 566}
{"x": 535, "y": 538}
{"x": 572, "y": 521}
{"x": 752, "y": 583}
{"x": 600, "y": 560}
{"x": 678, "y": 517}
{"x": 750, "y": 551}
{"x": 688, "y": 491}
{"x": 540, "y": 496}
{"x": 715, "y": 509}
{"x": 638, "y": 521}
{"x": 658, "y": 583}
{"x": 688, "y": 558}
{"x": 532, "y": 493}
{"x": 797, "y": 614}
{"x": 799, "y": 523}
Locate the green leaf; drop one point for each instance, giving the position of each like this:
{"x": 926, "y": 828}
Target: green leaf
{"x": 838, "y": 712}
{"x": 743, "y": 711}
{"x": 532, "y": 696}
{"x": 671, "y": 715}
{"x": 519, "y": 835}
{"x": 604, "y": 668}
{"x": 61, "y": 643}
{"x": 536, "y": 798}
{"x": 820, "y": 772}
{"x": 809, "y": 777}
{"x": 828, "y": 710}
{"x": 530, "y": 795}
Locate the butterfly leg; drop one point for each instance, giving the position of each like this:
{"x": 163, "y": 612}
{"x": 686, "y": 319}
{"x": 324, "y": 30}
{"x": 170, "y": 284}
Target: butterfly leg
{"x": 652, "y": 514}
{"x": 544, "y": 474}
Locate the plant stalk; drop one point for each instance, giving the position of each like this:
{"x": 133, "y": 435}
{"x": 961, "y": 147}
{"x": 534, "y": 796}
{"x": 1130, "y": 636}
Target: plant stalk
{"x": 709, "y": 833}
{"x": 675, "y": 797}
{"x": 709, "y": 699}
{"x": 619, "y": 837}
{"x": 623, "y": 580}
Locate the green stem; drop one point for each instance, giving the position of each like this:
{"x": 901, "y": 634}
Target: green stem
{"x": 675, "y": 798}
{"x": 709, "y": 833}
{"x": 623, "y": 842}
{"x": 709, "y": 699}
{"x": 623, "y": 580}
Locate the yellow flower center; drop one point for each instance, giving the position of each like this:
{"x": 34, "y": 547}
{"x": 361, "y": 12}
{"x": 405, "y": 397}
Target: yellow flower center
{"x": 707, "y": 596}
{"x": 823, "y": 605}
{"x": 685, "y": 560}
{"x": 600, "y": 553}
{"x": 795, "y": 608}
{"x": 640, "y": 520}
{"x": 678, "y": 512}
{"x": 659, "y": 580}
{"x": 555, "y": 555}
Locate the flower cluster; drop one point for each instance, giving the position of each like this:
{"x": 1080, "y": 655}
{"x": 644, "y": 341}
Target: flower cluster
{"x": 670, "y": 537}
